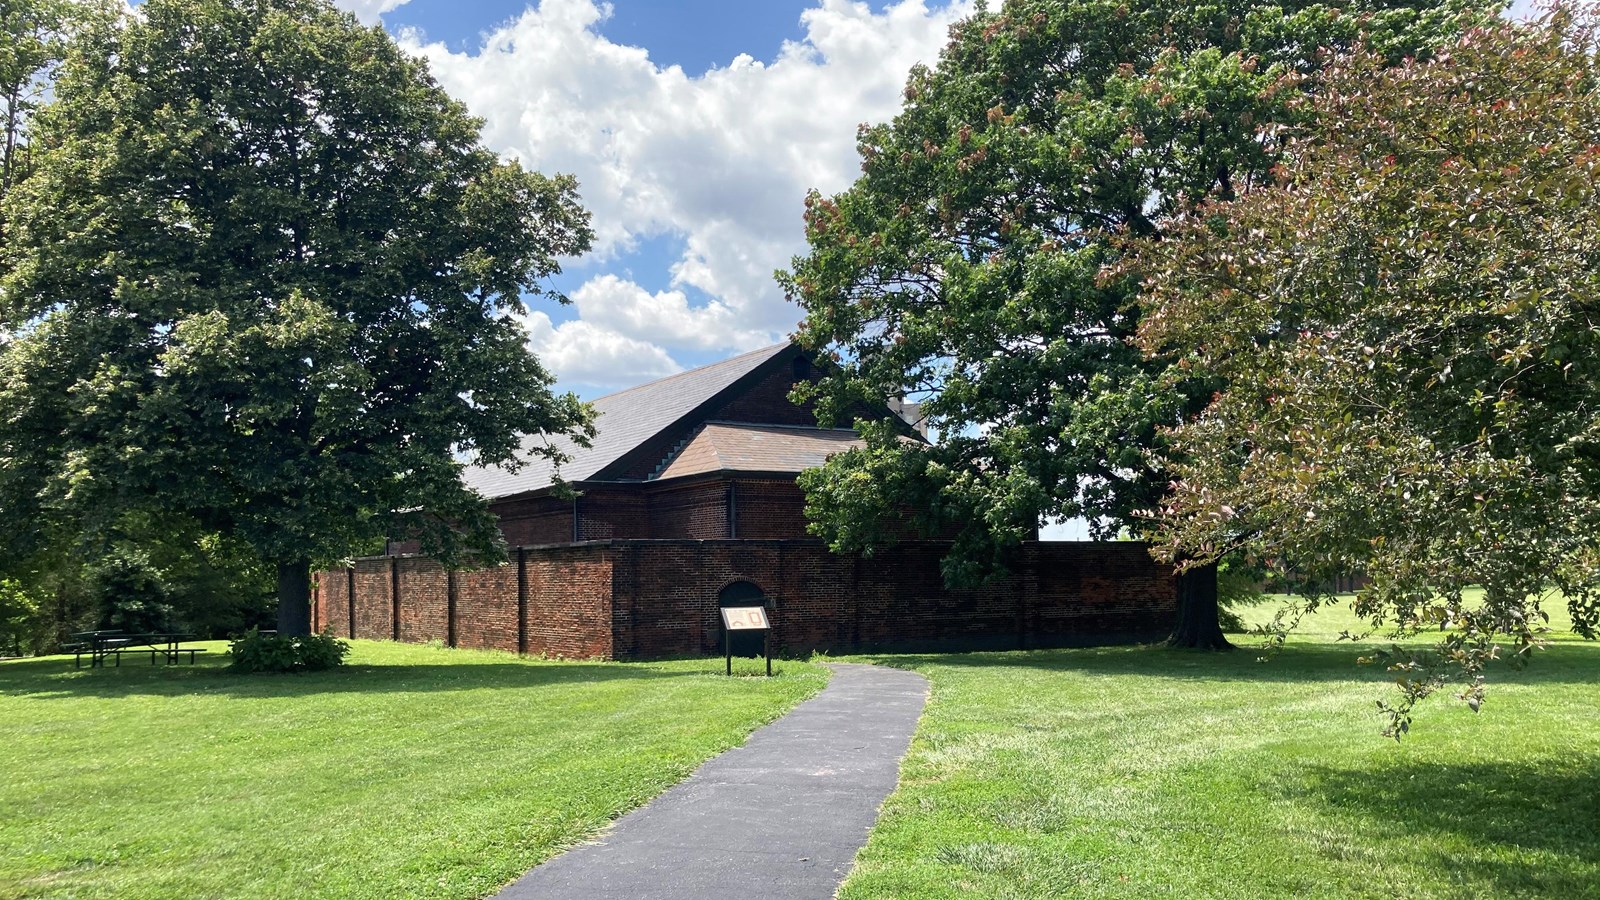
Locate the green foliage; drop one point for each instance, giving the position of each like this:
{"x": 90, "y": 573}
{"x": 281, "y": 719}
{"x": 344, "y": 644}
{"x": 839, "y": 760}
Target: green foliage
{"x": 129, "y": 593}
{"x": 201, "y": 584}
{"x": 964, "y": 267}
{"x": 1405, "y": 324}
{"x": 263, "y": 277}
{"x": 255, "y": 652}
{"x": 33, "y": 41}
{"x": 20, "y": 624}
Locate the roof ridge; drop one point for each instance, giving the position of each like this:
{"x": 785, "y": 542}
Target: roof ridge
{"x": 769, "y": 349}
{"x": 735, "y": 424}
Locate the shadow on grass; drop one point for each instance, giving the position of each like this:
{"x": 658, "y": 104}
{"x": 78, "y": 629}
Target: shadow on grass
{"x": 54, "y": 677}
{"x": 1557, "y": 664}
{"x": 1530, "y": 827}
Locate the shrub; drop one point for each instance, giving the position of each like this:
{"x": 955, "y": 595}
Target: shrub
{"x": 257, "y": 652}
{"x": 21, "y": 626}
{"x": 130, "y": 592}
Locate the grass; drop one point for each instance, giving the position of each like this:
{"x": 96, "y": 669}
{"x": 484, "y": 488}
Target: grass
{"x": 415, "y": 772}
{"x": 1143, "y": 772}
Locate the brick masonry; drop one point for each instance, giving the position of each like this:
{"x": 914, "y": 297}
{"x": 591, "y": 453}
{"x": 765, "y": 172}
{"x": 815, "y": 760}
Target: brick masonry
{"x": 645, "y": 599}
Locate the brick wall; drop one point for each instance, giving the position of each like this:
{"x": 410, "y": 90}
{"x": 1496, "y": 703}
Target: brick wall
{"x": 374, "y": 602}
{"x": 769, "y": 510}
{"x": 697, "y": 510}
{"x": 605, "y": 513}
{"x": 569, "y": 600}
{"x": 487, "y": 612}
{"x": 424, "y": 600}
{"x": 766, "y": 509}
{"x": 1060, "y": 594}
{"x": 538, "y": 520}
{"x": 649, "y": 599}
{"x": 330, "y": 602}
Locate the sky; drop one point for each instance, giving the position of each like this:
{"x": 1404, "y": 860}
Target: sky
{"x": 694, "y": 129}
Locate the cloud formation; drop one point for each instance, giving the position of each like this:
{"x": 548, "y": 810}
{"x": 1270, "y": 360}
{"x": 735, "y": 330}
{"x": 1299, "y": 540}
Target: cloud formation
{"x": 718, "y": 161}
{"x": 584, "y": 353}
{"x": 368, "y": 11}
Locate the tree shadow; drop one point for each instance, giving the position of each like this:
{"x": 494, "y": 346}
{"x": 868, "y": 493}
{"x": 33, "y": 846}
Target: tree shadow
{"x": 1297, "y": 662}
{"x": 54, "y": 677}
{"x": 1529, "y": 827}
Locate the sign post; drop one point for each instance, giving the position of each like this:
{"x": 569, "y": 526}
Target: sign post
{"x": 746, "y": 618}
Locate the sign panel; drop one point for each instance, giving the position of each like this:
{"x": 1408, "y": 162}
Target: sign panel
{"x": 745, "y": 618}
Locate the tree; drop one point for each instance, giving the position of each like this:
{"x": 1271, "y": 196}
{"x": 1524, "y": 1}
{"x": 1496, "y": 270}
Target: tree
{"x": 964, "y": 266}
{"x": 1406, "y": 327}
{"x": 33, "y": 40}
{"x": 20, "y": 624}
{"x": 262, "y": 276}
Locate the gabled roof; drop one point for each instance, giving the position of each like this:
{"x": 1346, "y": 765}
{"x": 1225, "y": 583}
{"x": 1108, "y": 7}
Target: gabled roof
{"x": 729, "y": 446}
{"x": 625, "y": 421}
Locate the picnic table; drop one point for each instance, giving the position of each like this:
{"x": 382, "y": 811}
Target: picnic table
{"x": 110, "y": 644}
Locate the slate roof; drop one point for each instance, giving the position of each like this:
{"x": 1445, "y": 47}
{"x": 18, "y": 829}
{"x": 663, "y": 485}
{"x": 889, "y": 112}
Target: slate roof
{"x": 623, "y": 421}
{"x": 729, "y": 446}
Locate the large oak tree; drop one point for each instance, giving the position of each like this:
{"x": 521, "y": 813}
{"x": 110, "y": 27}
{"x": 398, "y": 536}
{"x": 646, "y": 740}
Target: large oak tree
{"x": 262, "y": 276}
{"x": 963, "y": 268}
{"x": 1408, "y": 327}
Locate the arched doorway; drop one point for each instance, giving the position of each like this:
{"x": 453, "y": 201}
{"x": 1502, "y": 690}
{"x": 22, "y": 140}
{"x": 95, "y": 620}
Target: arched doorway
{"x": 742, "y": 593}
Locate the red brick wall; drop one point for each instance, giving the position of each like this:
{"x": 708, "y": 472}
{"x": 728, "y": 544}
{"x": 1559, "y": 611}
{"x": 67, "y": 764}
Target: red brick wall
{"x": 332, "y": 602}
{"x": 424, "y": 600}
{"x": 486, "y": 608}
{"x": 604, "y": 514}
{"x": 541, "y": 520}
{"x": 1060, "y": 594}
{"x": 569, "y": 600}
{"x": 373, "y": 599}
{"x": 647, "y": 599}
{"x": 698, "y": 510}
{"x": 769, "y": 510}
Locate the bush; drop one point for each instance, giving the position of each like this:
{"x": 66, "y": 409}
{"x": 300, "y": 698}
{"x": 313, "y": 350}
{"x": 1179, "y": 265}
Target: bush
{"x": 257, "y": 652}
{"x": 22, "y": 628}
{"x": 130, "y": 592}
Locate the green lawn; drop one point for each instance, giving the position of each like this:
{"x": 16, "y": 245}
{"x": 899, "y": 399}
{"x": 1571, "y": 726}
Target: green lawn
{"x": 416, "y": 772}
{"x": 1141, "y": 772}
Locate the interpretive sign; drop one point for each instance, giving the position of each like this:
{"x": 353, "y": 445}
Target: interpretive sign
{"x": 745, "y": 618}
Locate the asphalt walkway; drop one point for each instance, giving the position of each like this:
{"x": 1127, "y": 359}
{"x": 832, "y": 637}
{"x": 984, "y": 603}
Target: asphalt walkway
{"x": 781, "y": 817}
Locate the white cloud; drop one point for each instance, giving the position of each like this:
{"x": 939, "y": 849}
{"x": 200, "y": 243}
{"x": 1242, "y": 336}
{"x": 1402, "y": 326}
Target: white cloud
{"x": 369, "y": 10}
{"x": 626, "y": 309}
{"x": 582, "y": 353}
{"x": 720, "y": 160}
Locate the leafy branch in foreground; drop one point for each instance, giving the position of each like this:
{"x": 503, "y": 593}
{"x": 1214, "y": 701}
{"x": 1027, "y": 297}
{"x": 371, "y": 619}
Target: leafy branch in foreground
{"x": 1407, "y": 327}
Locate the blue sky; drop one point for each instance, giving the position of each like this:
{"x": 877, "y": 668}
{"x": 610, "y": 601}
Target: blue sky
{"x": 694, "y": 34}
{"x": 694, "y": 129}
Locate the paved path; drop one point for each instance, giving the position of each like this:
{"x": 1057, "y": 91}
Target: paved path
{"x": 781, "y": 817}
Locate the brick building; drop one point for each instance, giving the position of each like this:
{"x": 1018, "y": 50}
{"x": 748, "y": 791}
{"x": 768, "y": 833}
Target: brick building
{"x": 687, "y": 500}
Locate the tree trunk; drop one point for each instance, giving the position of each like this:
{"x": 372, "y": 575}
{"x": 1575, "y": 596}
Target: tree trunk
{"x": 1198, "y": 627}
{"x": 294, "y": 598}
